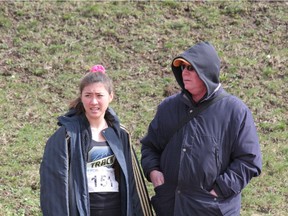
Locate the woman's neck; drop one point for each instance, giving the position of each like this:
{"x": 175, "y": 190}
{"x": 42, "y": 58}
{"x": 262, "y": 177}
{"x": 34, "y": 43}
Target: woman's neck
{"x": 99, "y": 125}
{"x": 96, "y": 129}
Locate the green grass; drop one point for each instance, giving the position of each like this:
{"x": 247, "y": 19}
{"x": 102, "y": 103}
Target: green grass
{"x": 45, "y": 47}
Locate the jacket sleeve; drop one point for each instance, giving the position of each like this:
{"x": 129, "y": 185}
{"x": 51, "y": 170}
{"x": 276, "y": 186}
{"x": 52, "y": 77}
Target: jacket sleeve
{"x": 160, "y": 131}
{"x": 151, "y": 148}
{"x": 245, "y": 159}
{"x": 54, "y": 176}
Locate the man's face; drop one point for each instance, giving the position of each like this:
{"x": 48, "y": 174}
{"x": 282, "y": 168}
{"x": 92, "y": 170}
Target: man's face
{"x": 192, "y": 82}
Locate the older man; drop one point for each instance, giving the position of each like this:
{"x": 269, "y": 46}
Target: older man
{"x": 202, "y": 147}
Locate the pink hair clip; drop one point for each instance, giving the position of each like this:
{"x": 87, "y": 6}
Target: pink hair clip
{"x": 97, "y": 68}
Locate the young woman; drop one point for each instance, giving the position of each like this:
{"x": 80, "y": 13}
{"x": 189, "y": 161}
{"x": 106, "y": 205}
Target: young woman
{"x": 89, "y": 166}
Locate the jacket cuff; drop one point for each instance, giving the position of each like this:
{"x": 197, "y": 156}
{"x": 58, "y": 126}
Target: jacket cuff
{"x": 217, "y": 190}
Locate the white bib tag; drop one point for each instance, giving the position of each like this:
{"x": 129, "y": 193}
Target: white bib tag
{"x": 101, "y": 179}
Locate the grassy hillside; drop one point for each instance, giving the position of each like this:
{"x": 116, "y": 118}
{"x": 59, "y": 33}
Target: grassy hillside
{"x": 46, "y": 47}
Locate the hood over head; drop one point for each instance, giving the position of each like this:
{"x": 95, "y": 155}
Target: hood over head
{"x": 204, "y": 58}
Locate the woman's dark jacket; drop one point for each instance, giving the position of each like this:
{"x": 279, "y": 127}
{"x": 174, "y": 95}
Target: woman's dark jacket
{"x": 218, "y": 149}
{"x": 63, "y": 168}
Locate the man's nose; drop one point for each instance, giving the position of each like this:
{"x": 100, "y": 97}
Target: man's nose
{"x": 185, "y": 71}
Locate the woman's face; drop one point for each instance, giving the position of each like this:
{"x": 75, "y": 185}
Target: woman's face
{"x": 95, "y": 99}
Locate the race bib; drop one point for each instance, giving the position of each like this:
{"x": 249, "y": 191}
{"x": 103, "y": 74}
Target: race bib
{"x": 101, "y": 179}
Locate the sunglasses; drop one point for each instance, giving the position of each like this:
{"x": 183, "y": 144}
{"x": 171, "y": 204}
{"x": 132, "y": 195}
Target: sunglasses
{"x": 188, "y": 67}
